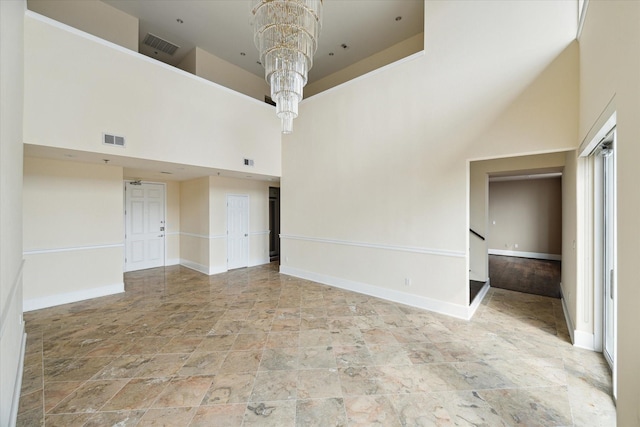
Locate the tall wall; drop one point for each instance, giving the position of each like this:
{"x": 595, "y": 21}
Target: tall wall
{"x": 609, "y": 70}
{"x": 73, "y": 231}
{"x": 194, "y": 225}
{"x": 11, "y": 263}
{"x": 526, "y": 213}
{"x": 392, "y": 149}
{"x": 160, "y": 109}
{"x": 94, "y": 17}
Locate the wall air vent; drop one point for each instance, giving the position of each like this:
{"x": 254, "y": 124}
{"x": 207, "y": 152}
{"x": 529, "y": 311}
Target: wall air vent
{"x": 115, "y": 140}
{"x": 159, "y": 44}
{"x": 248, "y": 162}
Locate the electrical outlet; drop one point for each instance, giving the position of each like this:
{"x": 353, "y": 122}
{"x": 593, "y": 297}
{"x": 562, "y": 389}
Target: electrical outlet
{"x": 407, "y": 281}
{"x": 516, "y": 246}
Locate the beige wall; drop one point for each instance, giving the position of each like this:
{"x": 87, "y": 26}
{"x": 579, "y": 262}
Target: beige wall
{"x": 609, "y": 69}
{"x": 160, "y": 108}
{"x": 479, "y": 199}
{"x": 11, "y": 281}
{"x": 73, "y": 231}
{"x": 527, "y": 213}
{"x": 188, "y": 63}
{"x": 394, "y": 53}
{"x": 226, "y": 74}
{"x": 203, "y": 221}
{"x": 392, "y": 148}
{"x": 258, "y": 192}
{"x": 172, "y": 234}
{"x": 194, "y": 224}
{"x": 210, "y": 67}
{"x": 93, "y": 17}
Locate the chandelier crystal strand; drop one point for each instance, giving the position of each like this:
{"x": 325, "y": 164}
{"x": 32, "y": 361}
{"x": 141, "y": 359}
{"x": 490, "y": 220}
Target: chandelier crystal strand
{"x": 286, "y": 34}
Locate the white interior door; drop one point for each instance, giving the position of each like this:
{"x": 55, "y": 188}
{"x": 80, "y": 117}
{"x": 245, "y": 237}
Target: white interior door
{"x": 144, "y": 225}
{"x": 237, "y": 231}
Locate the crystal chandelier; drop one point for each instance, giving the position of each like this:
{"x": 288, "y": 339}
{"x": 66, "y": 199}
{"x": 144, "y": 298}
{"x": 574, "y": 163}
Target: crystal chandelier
{"x": 286, "y": 34}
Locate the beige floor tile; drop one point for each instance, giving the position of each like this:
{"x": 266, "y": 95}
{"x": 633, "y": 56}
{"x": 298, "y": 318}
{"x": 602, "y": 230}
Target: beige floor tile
{"x": 320, "y": 413}
{"x": 318, "y": 383}
{"x": 253, "y": 347}
{"x": 230, "y": 388}
{"x": 219, "y": 416}
{"x": 183, "y": 391}
{"x": 167, "y": 417}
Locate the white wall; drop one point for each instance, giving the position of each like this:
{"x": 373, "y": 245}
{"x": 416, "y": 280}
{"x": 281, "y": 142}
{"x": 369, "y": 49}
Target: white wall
{"x": 92, "y": 16}
{"x": 73, "y": 231}
{"x": 160, "y": 109}
{"x": 392, "y": 148}
{"x": 11, "y": 282}
{"x": 609, "y": 70}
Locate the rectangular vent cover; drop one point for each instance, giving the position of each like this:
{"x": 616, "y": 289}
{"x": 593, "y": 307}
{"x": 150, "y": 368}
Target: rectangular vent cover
{"x": 109, "y": 139}
{"x": 248, "y": 162}
{"x": 159, "y": 44}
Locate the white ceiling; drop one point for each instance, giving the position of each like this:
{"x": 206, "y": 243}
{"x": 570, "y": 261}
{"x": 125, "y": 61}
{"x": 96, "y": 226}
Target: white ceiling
{"x": 223, "y": 28}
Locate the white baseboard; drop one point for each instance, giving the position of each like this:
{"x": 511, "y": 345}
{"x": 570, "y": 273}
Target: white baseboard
{"x": 583, "y": 340}
{"x": 520, "y": 254}
{"x": 567, "y": 318}
{"x": 579, "y": 339}
{"x": 69, "y": 297}
{"x": 478, "y": 299}
{"x": 172, "y": 261}
{"x": 214, "y": 269}
{"x": 454, "y": 310}
{"x": 17, "y": 389}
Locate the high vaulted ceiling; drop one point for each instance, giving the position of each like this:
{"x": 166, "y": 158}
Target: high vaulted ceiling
{"x": 223, "y": 28}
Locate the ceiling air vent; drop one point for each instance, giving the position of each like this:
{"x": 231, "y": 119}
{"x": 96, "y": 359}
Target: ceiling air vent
{"x": 109, "y": 139}
{"x": 159, "y": 44}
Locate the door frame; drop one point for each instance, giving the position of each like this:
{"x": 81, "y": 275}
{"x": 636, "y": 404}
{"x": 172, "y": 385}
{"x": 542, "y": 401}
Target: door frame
{"x": 246, "y": 196}
{"x": 124, "y": 219}
{"x": 591, "y": 231}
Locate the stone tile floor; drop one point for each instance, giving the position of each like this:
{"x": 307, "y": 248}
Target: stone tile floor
{"x": 253, "y": 347}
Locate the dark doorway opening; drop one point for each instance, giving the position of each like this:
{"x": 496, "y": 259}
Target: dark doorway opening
{"x": 274, "y": 224}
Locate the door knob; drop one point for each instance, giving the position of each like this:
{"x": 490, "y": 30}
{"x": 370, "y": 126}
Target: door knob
{"x": 245, "y": 234}
{"x": 162, "y": 235}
